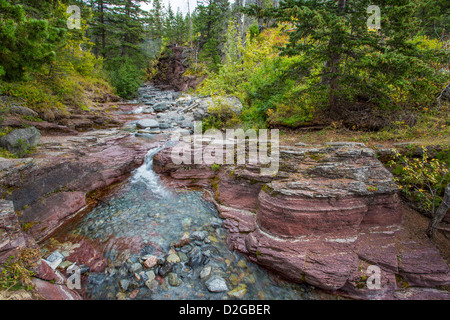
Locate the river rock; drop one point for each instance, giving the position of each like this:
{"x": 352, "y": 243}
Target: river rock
{"x": 198, "y": 235}
{"x": 173, "y": 258}
{"x": 174, "y": 280}
{"x": 20, "y": 140}
{"x": 206, "y": 272}
{"x": 164, "y": 125}
{"x": 124, "y": 284}
{"x": 150, "y": 262}
{"x": 216, "y": 285}
{"x": 150, "y": 275}
{"x": 152, "y": 285}
{"x": 195, "y": 257}
{"x": 135, "y": 268}
{"x": 238, "y": 292}
{"x": 23, "y": 111}
{"x": 186, "y": 249}
{"x": 147, "y": 123}
{"x": 161, "y": 106}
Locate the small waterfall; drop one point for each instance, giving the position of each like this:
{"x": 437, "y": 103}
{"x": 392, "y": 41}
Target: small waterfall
{"x": 146, "y": 175}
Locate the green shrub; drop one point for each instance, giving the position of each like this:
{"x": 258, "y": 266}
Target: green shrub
{"x": 422, "y": 180}
{"x": 125, "y": 76}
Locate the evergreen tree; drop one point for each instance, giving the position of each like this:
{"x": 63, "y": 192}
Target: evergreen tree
{"x": 157, "y": 19}
{"x": 26, "y": 43}
{"x": 176, "y": 28}
{"x": 358, "y": 63}
{"x": 210, "y": 24}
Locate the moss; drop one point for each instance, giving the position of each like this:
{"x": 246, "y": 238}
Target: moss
{"x": 27, "y": 226}
{"x": 317, "y": 156}
{"x": 216, "y": 167}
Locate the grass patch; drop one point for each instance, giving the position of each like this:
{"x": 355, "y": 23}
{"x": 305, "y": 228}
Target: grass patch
{"x": 432, "y": 129}
{"x": 16, "y": 273}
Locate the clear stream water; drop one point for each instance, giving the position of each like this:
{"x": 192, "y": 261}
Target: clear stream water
{"x": 142, "y": 217}
{"x": 142, "y": 208}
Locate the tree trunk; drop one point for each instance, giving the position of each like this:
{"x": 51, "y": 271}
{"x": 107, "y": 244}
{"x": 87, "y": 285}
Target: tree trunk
{"x": 333, "y": 65}
{"x": 102, "y": 21}
{"x": 440, "y": 213}
{"x": 126, "y": 36}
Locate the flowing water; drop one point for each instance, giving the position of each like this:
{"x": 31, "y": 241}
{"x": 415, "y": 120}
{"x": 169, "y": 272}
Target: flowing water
{"x": 142, "y": 217}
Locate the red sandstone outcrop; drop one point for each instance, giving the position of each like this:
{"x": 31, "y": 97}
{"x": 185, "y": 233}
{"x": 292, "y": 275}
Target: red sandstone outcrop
{"x": 49, "y": 190}
{"x": 171, "y": 70}
{"x": 328, "y": 214}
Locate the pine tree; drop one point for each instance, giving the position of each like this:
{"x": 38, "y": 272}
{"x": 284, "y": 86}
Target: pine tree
{"x": 26, "y": 43}
{"x": 157, "y": 20}
{"x": 358, "y": 63}
{"x": 210, "y": 24}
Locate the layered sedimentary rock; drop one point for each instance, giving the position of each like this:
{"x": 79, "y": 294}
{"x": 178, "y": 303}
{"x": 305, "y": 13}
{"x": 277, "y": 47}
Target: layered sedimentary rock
{"x": 328, "y": 214}
{"x": 12, "y": 238}
{"x": 49, "y": 190}
{"x": 171, "y": 70}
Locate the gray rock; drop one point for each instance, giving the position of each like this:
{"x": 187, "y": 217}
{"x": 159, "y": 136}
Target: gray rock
{"x": 135, "y": 268}
{"x": 345, "y": 144}
{"x": 198, "y": 235}
{"x": 20, "y": 140}
{"x": 124, "y": 284}
{"x": 207, "y": 103}
{"x": 152, "y": 285}
{"x": 186, "y": 249}
{"x": 147, "y": 123}
{"x": 216, "y": 284}
{"x": 216, "y": 223}
{"x": 206, "y": 272}
{"x": 150, "y": 275}
{"x": 301, "y": 144}
{"x": 183, "y": 256}
{"x": 173, "y": 279}
{"x": 173, "y": 258}
{"x": 184, "y": 132}
{"x": 161, "y": 107}
{"x": 195, "y": 257}
{"x": 164, "y": 125}
{"x": 23, "y": 111}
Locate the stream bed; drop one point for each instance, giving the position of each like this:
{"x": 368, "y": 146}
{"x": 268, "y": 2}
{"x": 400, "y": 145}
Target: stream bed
{"x": 160, "y": 243}
{"x": 142, "y": 214}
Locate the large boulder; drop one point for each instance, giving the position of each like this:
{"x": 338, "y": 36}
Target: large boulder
{"x": 147, "y": 123}
{"x": 22, "y": 111}
{"x": 222, "y": 106}
{"x": 21, "y": 140}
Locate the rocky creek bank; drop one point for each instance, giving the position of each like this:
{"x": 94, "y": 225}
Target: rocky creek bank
{"x": 329, "y": 213}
